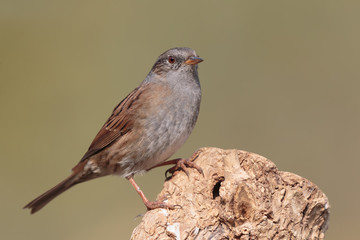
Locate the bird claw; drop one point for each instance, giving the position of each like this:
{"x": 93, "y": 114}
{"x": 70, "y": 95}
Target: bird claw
{"x": 184, "y": 164}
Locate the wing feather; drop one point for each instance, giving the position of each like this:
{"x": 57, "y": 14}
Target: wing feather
{"x": 119, "y": 123}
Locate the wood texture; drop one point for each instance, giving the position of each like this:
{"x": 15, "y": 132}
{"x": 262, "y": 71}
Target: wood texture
{"x": 241, "y": 196}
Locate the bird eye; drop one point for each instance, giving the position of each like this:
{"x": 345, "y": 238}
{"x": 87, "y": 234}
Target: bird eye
{"x": 171, "y": 59}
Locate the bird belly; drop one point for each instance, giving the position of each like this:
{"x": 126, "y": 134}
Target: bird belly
{"x": 165, "y": 133}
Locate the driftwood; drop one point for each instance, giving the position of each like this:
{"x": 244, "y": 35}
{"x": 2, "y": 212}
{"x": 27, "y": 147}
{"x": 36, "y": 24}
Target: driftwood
{"x": 241, "y": 196}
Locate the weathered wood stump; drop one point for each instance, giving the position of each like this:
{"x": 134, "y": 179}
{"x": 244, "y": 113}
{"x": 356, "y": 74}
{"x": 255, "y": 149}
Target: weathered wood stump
{"x": 241, "y": 196}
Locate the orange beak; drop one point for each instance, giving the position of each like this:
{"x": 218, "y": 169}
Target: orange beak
{"x": 193, "y": 60}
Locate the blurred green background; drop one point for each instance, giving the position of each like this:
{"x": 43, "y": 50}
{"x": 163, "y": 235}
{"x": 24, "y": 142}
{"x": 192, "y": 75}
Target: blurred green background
{"x": 280, "y": 78}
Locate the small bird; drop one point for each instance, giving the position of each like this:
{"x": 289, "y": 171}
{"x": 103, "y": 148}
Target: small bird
{"x": 144, "y": 129}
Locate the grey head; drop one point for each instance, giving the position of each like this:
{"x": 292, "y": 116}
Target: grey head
{"x": 176, "y": 64}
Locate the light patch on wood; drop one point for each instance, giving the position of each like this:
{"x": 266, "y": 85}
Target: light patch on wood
{"x": 174, "y": 230}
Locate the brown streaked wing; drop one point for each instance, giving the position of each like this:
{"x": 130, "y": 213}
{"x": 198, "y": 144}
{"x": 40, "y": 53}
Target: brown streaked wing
{"x": 118, "y": 124}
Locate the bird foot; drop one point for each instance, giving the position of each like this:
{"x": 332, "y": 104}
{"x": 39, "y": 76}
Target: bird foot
{"x": 184, "y": 164}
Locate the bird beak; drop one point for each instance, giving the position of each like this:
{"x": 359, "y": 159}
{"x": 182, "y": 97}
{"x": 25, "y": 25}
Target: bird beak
{"x": 193, "y": 60}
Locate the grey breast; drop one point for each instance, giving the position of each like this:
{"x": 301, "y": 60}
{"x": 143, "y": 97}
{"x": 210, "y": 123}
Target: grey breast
{"x": 173, "y": 123}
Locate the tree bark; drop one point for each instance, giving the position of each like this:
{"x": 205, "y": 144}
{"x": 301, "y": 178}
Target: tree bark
{"x": 241, "y": 196}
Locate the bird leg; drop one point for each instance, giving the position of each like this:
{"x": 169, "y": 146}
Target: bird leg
{"x": 149, "y": 205}
{"x": 181, "y": 163}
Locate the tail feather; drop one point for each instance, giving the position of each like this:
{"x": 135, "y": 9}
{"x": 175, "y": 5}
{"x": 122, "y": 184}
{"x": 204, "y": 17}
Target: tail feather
{"x": 39, "y": 202}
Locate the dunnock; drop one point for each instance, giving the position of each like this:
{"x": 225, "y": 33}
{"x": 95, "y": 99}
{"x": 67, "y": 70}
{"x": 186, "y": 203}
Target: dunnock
{"x": 144, "y": 129}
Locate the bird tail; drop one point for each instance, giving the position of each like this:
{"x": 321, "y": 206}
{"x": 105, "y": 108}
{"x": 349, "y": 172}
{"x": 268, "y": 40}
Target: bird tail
{"x": 39, "y": 202}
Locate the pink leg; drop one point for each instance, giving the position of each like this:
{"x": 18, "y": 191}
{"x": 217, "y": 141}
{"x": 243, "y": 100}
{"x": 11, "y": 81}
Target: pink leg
{"x": 170, "y": 162}
{"x": 181, "y": 163}
{"x": 149, "y": 205}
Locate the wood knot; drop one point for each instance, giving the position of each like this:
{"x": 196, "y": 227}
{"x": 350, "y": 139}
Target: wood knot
{"x": 243, "y": 204}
